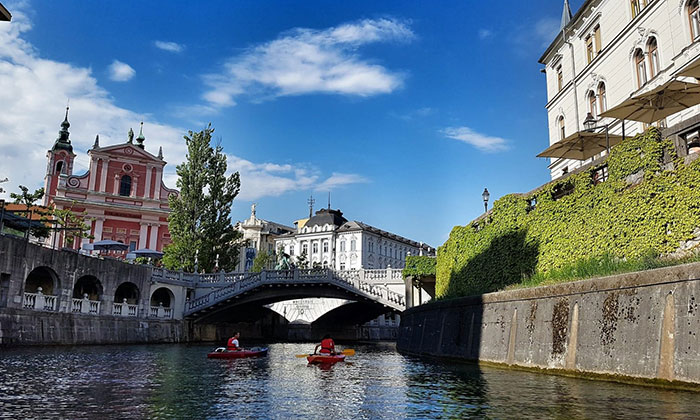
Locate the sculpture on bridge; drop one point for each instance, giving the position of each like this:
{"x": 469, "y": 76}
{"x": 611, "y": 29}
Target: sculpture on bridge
{"x": 283, "y": 263}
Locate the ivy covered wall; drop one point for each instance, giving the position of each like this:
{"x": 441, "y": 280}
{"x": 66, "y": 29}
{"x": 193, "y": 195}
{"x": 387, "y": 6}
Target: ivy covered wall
{"x": 419, "y": 266}
{"x": 650, "y": 202}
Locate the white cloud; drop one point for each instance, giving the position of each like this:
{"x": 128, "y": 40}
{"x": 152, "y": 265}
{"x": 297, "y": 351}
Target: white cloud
{"x": 33, "y": 97}
{"x": 546, "y": 30}
{"x": 480, "y": 141}
{"x": 338, "y": 180}
{"x": 121, "y": 72}
{"x": 485, "y": 33}
{"x": 304, "y": 61}
{"x": 169, "y": 46}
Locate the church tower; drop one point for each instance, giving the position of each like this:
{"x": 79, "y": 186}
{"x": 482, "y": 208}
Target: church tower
{"x": 60, "y": 161}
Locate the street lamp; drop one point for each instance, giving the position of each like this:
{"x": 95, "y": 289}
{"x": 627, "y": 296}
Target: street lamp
{"x": 589, "y": 124}
{"x": 485, "y": 195}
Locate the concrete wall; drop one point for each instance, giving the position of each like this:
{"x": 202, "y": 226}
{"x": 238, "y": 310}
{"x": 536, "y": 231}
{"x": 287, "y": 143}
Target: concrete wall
{"x": 632, "y": 326}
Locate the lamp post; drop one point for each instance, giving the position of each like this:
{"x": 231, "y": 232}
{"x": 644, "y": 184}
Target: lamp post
{"x": 589, "y": 125}
{"x": 485, "y": 195}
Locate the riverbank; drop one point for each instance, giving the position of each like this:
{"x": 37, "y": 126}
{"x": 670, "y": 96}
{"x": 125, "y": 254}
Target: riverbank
{"x": 640, "y": 327}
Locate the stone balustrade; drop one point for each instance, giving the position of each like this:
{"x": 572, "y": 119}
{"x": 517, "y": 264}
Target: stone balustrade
{"x": 39, "y": 301}
{"x": 161, "y": 311}
{"x": 125, "y": 309}
{"x": 86, "y": 306}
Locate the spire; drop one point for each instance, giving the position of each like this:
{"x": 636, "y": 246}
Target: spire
{"x": 140, "y": 139}
{"x": 329, "y": 200}
{"x": 565, "y": 15}
{"x": 63, "y": 142}
{"x": 96, "y": 145}
{"x": 160, "y": 153}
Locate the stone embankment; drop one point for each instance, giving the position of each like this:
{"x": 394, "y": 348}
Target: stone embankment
{"x": 640, "y": 326}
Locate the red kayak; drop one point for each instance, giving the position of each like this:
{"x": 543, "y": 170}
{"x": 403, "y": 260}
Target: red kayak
{"x": 223, "y": 353}
{"x": 325, "y": 358}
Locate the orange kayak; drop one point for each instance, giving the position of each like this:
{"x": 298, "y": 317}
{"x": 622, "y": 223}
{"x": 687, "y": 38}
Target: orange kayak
{"x": 325, "y": 358}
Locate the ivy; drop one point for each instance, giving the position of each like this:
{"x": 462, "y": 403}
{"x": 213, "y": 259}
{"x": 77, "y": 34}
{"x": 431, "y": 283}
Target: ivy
{"x": 420, "y": 266}
{"x": 650, "y": 203}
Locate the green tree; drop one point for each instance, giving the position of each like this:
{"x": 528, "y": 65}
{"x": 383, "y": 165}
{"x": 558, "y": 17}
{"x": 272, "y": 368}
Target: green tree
{"x": 302, "y": 261}
{"x": 200, "y": 222}
{"x": 262, "y": 261}
{"x": 29, "y": 199}
{"x": 72, "y": 224}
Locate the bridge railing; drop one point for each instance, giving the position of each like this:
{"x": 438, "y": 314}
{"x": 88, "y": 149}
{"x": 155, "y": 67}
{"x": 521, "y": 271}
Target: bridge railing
{"x": 39, "y": 301}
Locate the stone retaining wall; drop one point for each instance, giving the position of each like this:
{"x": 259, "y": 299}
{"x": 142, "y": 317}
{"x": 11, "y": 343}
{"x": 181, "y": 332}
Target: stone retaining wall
{"x": 632, "y": 326}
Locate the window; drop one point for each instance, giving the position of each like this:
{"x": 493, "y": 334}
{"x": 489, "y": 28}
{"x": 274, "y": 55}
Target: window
{"x": 602, "y": 100}
{"x": 596, "y": 38}
{"x": 132, "y": 246}
{"x": 560, "y": 79}
{"x": 600, "y": 175}
{"x": 653, "y": 52}
{"x": 592, "y": 104}
{"x": 342, "y": 266}
{"x": 325, "y": 246}
{"x": 304, "y": 248}
{"x": 694, "y": 18}
{"x": 342, "y": 246}
{"x": 291, "y": 250}
{"x": 59, "y": 166}
{"x": 314, "y": 247}
{"x": 353, "y": 245}
{"x": 125, "y": 186}
{"x": 590, "y": 54}
{"x": 641, "y": 67}
{"x": 635, "y": 8}
{"x": 562, "y": 129}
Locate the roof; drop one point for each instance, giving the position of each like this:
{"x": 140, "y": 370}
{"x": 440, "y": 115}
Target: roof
{"x": 4, "y": 14}
{"x": 355, "y": 225}
{"x": 326, "y": 217}
{"x": 572, "y": 22}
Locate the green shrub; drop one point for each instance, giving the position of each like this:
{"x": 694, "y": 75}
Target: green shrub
{"x": 614, "y": 220}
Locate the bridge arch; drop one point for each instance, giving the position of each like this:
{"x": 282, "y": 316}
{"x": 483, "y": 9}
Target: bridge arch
{"x": 43, "y": 277}
{"x": 163, "y": 296}
{"x": 128, "y": 291}
{"x": 88, "y": 285}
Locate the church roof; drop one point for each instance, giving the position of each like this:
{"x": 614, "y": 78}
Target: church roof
{"x": 326, "y": 217}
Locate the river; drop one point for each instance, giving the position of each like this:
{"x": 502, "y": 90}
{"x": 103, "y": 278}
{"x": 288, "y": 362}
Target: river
{"x": 178, "y": 381}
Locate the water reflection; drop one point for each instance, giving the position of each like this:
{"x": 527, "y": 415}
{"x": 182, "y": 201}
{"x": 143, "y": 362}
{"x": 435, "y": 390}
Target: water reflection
{"x": 177, "y": 381}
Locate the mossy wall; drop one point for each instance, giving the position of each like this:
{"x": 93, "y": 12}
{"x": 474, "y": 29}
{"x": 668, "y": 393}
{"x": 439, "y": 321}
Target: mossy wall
{"x": 649, "y": 203}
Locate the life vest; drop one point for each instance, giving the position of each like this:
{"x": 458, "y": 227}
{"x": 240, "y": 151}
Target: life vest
{"x": 233, "y": 343}
{"x": 327, "y": 345}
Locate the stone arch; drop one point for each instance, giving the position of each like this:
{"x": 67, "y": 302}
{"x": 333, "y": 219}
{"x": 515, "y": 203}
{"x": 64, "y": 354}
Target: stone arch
{"x": 89, "y": 285}
{"x": 43, "y": 277}
{"x": 128, "y": 291}
{"x": 163, "y": 295}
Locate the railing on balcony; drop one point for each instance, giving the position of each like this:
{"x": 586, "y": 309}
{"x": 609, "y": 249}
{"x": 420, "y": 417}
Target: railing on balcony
{"x": 125, "y": 309}
{"x": 161, "y": 311}
{"x": 86, "y": 306}
{"x": 39, "y": 301}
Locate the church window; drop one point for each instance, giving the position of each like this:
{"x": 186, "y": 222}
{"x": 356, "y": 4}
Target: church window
{"x": 125, "y": 186}
{"x": 59, "y": 166}
{"x": 694, "y": 17}
{"x": 653, "y": 52}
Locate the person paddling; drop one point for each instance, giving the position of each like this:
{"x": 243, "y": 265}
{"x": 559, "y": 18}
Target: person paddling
{"x": 327, "y": 346}
{"x": 232, "y": 344}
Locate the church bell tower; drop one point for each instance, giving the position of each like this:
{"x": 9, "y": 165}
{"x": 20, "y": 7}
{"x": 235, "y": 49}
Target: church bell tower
{"x": 60, "y": 161}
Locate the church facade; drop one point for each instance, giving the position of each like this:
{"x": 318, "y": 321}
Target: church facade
{"x": 122, "y": 195}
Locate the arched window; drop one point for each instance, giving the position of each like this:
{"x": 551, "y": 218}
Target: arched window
{"x": 641, "y": 68}
{"x": 694, "y": 19}
{"x": 353, "y": 245}
{"x": 325, "y": 246}
{"x": 653, "y": 52}
{"x": 592, "y": 104}
{"x": 125, "y": 186}
{"x": 560, "y": 79}
{"x": 59, "y": 166}
{"x": 602, "y": 100}
{"x": 562, "y": 129}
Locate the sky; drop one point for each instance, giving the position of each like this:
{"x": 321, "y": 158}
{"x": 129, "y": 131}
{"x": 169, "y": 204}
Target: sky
{"x": 404, "y": 111}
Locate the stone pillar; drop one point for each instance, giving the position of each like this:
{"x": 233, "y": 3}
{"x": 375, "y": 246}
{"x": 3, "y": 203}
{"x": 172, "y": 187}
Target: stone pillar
{"x": 143, "y": 235}
{"x": 147, "y": 190}
{"x": 103, "y": 176}
{"x": 154, "y": 236}
{"x": 408, "y": 283}
{"x": 156, "y": 192}
{"x": 98, "y": 228}
{"x": 93, "y": 174}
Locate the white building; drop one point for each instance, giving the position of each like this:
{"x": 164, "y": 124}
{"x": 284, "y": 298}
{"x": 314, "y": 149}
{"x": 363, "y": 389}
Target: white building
{"x": 611, "y": 50}
{"x": 258, "y": 236}
{"x": 329, "y": 240}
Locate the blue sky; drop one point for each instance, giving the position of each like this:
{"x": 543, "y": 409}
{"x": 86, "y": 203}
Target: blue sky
{"x": 404, "y": 111}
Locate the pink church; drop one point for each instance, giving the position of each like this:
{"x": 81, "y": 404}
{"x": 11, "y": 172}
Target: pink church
{"x": 122, "y": 193}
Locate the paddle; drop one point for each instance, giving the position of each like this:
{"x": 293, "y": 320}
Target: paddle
{"x": 347, "y": 352}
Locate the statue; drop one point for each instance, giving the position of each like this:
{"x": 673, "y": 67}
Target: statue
{"x": 131, "y": 136}
{"x": 252, "y": 209}
{"x": 283, "y": 263}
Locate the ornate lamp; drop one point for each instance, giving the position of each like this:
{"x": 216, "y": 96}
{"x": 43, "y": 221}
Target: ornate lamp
{"x": 485, "y": 195}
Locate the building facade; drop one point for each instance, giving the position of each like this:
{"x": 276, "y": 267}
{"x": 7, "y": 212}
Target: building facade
{"x": 328, "y": 239}
{"x": 122, "y": 194}
{"x": 611, "y": 50}
{"x": 258, "y": 236}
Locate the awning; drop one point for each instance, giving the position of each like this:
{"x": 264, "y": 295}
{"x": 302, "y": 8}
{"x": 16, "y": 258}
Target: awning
{"x": 657, "y": 104}
{"x": 580, "y": 146}
{"x": 693, "y": 70}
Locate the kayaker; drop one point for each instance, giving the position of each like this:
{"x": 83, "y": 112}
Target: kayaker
{"x": 327, "y": 346}
{"x": 233, "y": 342}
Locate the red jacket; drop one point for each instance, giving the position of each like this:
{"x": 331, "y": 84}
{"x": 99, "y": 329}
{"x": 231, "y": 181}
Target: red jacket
{"x": 327, "y": 345}
{"x": 231, "y": 345}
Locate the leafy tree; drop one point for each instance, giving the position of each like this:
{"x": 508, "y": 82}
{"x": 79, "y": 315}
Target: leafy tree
{"x": 302, "y": 260}
{"x": 262, "y": 261}
{"x": 72, "y": 224}
{"x": 29, "y": 199}
{"x": 200, "y": 222}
